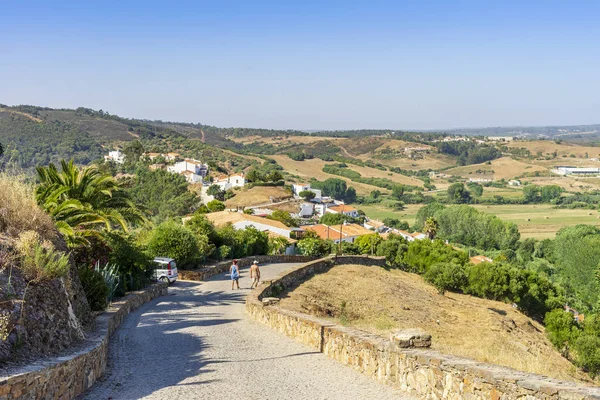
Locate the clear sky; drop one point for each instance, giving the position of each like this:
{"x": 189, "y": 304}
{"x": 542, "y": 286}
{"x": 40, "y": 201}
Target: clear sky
{"x": 308, "y": 64}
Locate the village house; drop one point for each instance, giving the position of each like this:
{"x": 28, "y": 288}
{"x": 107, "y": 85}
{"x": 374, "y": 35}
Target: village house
{"x": 375, "y": 225}
{"x": 240, "y": 220}
{"x": 115, "y": 156}
{"x": 298, "y": 188}
{"x": 228, "y": 182}
{"x": 343, "y": 209}
{"x": 193, "y": 171}
{"x": 338, "y": 233}
{"x": 306, "y": 210}
{"x": 152, "y": 156}
{"x": 171, "y": 156}
{"x": 514, "y": 182}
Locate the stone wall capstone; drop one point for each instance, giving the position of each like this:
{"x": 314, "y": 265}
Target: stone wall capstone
{"x": 421, "y": 372}
{"x": 69, "y": 376}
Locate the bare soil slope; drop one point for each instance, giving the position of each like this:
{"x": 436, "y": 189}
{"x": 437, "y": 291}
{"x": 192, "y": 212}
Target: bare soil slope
{"x": 381, "y": 301}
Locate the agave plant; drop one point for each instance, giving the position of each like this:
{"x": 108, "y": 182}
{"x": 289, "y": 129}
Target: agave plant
{"x": 110, "y": 273}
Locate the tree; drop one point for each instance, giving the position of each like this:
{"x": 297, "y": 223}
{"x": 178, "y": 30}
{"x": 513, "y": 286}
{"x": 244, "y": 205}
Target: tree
{"x": 133, "y": 151}
{"x": 561, "y": 329}
{"x": 431, "y": 227}
{"x": 216, "y": 192}
{"x": 458, "y": 194}
{"x": 278, "y": 245}
{"x": 531, "y": 194}
{"x": 350, "y": 196}
{"x": 215, "y": 205}
{"x": 173, "y": 240}
{"x": 475, "y": 188}
{"x": 307, "y": 195}
{"x": 395, "y": 223}
{"x": 200, "y": 225}
{"x": 446, "y": 276}
{"x": 84, "y": 202}
{"x": 368, "y": 244}
{"x": 398, "y": 192}
{"x": 334, "y": 219}
{"x": 550, "y": 192}
{"x": 1, "y": 150}
{"x": 311, "y": 246}
{"x": 430, "y": 210}
{"x": 283, "y": 217}
{"x": 335, "y": 188}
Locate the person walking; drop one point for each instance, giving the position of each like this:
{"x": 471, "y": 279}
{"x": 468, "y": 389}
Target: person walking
{"x": 254, "y": 274}
{"x": 234, "y": 272}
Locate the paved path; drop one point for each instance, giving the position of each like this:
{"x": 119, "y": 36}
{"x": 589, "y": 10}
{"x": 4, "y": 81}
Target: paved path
{"x": 198, "y": 343}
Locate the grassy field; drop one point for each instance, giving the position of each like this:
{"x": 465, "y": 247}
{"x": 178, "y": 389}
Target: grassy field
{"x": 544, "y": 221}
{"x": 502, "y": 168}
{"x": 382, "y": 302}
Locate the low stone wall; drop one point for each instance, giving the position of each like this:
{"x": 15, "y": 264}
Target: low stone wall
{"x": 69, "y": 376}
{"x": 202, "y": 274}
{"x": 420, "y": 372}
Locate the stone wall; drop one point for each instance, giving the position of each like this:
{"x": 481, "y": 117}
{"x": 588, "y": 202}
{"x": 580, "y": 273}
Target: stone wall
{"x": 202, "y": 274}
{"x": 69, "y": 376}
{"x": 420, "y": 372}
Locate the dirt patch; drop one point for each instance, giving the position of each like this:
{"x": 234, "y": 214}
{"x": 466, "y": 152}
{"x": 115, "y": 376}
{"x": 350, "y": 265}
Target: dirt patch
{"x": 256, "y": 196}
{"x": 502, "y": 168}
{"x": 381, "y": 301}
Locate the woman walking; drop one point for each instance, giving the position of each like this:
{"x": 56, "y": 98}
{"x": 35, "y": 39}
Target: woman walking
{"x": 234, "y": 272}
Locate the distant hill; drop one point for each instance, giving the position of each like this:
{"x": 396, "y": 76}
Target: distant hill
{"x": 534, "y": 132}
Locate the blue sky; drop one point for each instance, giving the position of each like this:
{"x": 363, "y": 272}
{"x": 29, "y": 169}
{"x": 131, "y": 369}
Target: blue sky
{"x": 309, "y": 64}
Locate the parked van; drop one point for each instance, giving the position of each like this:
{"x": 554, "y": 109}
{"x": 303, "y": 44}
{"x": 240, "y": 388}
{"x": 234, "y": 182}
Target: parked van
{"x": 165, "y": 269}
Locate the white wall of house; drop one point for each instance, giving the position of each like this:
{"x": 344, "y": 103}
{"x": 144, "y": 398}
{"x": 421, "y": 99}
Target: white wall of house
{"x": 115, "y": 156}
{"x": 262, "y": 227}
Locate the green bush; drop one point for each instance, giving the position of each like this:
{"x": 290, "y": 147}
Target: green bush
{"x": 170, "y": 239}
{"x": 489, "y": 280}
{"x": 95, "y": 288}
{"x": 447, "y": 276}
{"x": 224, "y": 252}
{"x": 134, "y": 265}
{"x": 561, "y": 329}
{"x": 215, "y": 205}
{"x": 313, "y": 247}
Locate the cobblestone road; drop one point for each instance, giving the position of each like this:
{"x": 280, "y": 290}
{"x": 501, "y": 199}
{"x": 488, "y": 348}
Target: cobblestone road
{"x": 198, "y": 343}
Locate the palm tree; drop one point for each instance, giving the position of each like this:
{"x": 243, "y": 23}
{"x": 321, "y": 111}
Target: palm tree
{"x": 431, "y": 227}
{"x": 84, "y": 201}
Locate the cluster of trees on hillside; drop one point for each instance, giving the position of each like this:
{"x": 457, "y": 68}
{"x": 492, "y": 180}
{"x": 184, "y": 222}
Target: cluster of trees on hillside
{"x": 468, "y": 152}
{"x": 29, "y": 143}
{"x": 335, "y": 188}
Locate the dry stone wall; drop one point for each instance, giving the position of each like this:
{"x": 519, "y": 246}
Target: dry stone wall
{"x": 69, "y": 376}
{"x": 421, "y": 372}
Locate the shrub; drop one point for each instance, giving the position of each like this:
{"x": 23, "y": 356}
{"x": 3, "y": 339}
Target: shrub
{"x": 224, "y": 252}
{"x": 170, "y": 239}
{"x": 110, "y": 274}
{"x": 39, "y": 260}
{"x": 489, "y": 280}
{"x": 312, "y": 247}
{"x": 447, "y": 276}
{"x": 561, "y": 329}
{"x": 135, "y": 266}
{"x": 21, "y": 213}
{"x": 94, "y": 286}
{"x": 215, "y": 205}
{"x": 307, "y": 195}
{"x": 588, "y": 354}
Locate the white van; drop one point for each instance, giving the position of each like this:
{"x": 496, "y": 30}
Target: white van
{"x": 165, "y": 269}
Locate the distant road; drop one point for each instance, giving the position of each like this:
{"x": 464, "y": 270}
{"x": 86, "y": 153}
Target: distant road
{"x": 199, "y": 343}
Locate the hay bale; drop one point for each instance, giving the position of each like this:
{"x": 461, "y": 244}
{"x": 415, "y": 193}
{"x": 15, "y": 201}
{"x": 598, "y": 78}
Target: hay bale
{"x": 529, "y": 219}
{"x": 546, "y": 217}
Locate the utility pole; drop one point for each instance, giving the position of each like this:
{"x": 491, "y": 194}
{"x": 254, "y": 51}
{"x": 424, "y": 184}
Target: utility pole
{"x": 341, "y": 229}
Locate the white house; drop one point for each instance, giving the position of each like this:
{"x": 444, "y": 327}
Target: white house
{"x": 194, "y": 171}
{"x": 343, "y": 209}
{"x": 514, "y": 182}
{"x": 298, "y": 188}
{"x": 576, "y": 171}
{"x": 240, "y": 220}
{"x": 307, "y": 210}
{"x": 115, "y": 156}
{"x": 228, "y": 182}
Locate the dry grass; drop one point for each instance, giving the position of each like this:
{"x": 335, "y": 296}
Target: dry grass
{"x": 381, "y": 301}
{"x": 547, "y": 147}
{"x": 314, "y": 169}
{"x": 502, "y": 168}
{"x": 256, "y": 196}
{"x": 19, "y": 211}
{"x": 281, "y": 141}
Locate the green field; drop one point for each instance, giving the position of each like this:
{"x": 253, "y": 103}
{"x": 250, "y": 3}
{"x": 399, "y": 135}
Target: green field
{"x": 544, "y": 221}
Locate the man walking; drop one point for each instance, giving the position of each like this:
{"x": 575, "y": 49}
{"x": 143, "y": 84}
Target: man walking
{"x": 254, "y": 274}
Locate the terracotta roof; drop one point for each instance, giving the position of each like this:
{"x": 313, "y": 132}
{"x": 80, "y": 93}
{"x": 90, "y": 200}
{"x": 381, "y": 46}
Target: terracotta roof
{"x": 339, "y": 208}
{"x": 375, "y": 223}
{"x": 480, "y": 259}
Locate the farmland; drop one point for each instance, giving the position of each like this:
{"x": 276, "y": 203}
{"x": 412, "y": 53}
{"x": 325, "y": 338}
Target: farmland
{"x": 539, "y": 221}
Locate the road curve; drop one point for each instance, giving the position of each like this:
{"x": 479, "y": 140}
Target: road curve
{"x": 198, "y": 343}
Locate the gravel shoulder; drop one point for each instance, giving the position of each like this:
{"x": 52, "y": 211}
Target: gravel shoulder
{"x": 198, "y": 343}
